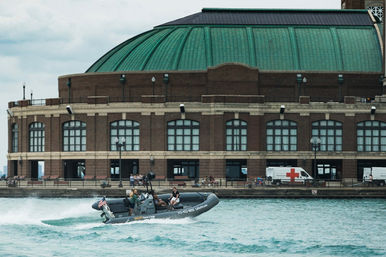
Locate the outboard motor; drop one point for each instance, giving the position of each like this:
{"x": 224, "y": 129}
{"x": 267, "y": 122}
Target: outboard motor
{"x": 102, "y": 205}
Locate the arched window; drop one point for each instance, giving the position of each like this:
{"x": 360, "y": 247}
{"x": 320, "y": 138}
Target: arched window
{"x": 183, "y": 135}
{"x": 330, "y": 134}
{"x": 281, "y": 135}
{"x": 36, "y": 137}
{"x": 15, "y": 137}
{"x": 74, "y": 136}
{"x": 127, "y": 129}
{"x": 371, "y": 136}
{"x": 236, "y": 135}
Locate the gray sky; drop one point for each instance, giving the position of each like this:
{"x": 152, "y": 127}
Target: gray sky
{"x": 43, "y": 39}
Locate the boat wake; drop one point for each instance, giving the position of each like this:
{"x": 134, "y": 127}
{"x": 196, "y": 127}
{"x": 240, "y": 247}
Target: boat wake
{"x": 34, "y": 211}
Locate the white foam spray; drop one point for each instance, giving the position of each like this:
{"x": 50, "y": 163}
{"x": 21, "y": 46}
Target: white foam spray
{"x": 35, "y": 210}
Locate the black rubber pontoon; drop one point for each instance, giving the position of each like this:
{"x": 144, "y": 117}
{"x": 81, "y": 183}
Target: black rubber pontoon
{"x": 191, "y": 204}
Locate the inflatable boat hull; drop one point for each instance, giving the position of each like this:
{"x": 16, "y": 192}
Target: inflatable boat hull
{"x": 192, "y": 204}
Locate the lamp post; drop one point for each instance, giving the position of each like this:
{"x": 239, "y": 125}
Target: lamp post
{"x": 69, "y": 90}
{"x": 24, "y": 91}
{"x": 153, "y": 81}
{"x": 315, "y": 142}
{"x": 340, "y": 82}
{"x": 119, "y": 146}
{"x": 166, "y": 81}
{"x": 299, "y": 79}
{"x": 123, "y": 81}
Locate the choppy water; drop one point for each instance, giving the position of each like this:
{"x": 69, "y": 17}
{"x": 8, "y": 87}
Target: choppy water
{"x": 237, "y": 227}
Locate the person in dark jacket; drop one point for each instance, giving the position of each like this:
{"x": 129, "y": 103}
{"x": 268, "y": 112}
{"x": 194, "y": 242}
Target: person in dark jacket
{"x": 174, "y": 197}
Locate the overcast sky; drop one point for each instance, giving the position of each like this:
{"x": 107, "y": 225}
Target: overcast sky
{"x": 43, "y": 39}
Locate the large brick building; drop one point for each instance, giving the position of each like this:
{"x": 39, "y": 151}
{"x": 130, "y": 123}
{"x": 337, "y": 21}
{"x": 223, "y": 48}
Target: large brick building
{"x": 224, "y": 92}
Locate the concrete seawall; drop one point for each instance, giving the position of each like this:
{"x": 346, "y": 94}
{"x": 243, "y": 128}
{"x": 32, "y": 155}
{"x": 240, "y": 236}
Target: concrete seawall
{"x": 265, "y": 192}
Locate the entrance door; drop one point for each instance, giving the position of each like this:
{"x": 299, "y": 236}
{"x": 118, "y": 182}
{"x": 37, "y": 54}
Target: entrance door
{"x": 74, "y": 169}
{"x": 128, "y": 167}
{"x": 362, "y": 164}
{"x": 14, "y": 168}
{"x": 236, "y": 169}
{"x": 34, "y": 168}
{"x": 189, "y": 168}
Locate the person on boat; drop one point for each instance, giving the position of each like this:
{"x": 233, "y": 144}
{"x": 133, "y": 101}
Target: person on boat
{"x": 157, "y": 201}
{"x": 128, "y": 203}
{"x": 131, "y": 201}
{"x": 174, "y": 197}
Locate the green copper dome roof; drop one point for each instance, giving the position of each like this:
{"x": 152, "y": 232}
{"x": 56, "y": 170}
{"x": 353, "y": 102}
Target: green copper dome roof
{"x": 285, "y": 40}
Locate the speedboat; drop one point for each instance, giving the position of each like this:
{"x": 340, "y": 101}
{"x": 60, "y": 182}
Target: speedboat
{"x": 191, "y": 204}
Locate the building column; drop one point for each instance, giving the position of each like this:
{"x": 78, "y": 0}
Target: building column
{"x": 349, "y": 170}
{"x": 256, "y": 168}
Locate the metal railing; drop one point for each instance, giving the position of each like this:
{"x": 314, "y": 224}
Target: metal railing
{"x": 167, "y": 183}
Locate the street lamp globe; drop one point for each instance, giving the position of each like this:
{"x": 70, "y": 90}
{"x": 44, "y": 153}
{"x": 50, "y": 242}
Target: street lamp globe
{"x": 315, "y": 142}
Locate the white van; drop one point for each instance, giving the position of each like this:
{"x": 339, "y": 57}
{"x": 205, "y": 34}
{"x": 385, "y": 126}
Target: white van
{"x": 379, "y": 175}
{"x": 279, "y": 175}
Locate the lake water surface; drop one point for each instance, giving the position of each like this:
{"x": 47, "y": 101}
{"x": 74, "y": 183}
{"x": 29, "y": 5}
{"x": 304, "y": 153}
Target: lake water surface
{"x": 235, "y": 227}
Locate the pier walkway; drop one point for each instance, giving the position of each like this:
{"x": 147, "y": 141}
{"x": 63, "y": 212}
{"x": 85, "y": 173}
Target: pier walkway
{"x": 223, "y": 188}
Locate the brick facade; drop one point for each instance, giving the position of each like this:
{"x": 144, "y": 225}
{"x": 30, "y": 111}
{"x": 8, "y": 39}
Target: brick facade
{"x": 223, "y": 93}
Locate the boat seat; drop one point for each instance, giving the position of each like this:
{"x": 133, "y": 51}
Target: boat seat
{"x": 161, "y": 207}
{"x": 178, "y": 206}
